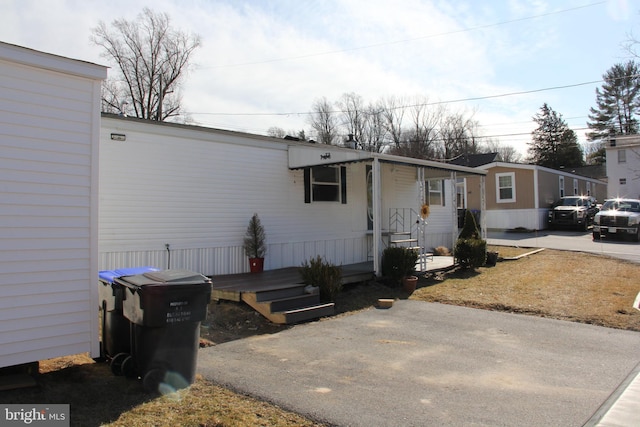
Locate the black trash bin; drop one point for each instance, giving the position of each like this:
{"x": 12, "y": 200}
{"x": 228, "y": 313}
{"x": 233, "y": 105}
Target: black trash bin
{"x": 165, "y": 309}
{"x": 114, "y": 336}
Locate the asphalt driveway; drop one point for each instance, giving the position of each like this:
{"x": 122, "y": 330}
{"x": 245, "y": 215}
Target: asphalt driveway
{"x": 422, "y": 364}
{"x": 568, "y": 240}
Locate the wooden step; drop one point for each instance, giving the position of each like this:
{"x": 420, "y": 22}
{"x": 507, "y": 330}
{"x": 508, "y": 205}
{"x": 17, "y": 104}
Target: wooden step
{"x": 274, "y": 292}
{"x": 295, "y": 302}
{"x": 306, "y": 310}
{"x": 309, "y": 313}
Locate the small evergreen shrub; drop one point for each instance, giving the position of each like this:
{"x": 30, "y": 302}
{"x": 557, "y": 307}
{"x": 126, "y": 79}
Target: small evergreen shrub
{"x": 254, "y": 238}
{"x": 398, "y": 262}
{"x": 470, "y": 250}
{"x": 471, "y": 253}
{"x": 326, "y": 276}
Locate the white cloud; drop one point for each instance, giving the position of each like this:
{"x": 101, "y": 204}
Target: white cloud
{"x": 297, "y": 51}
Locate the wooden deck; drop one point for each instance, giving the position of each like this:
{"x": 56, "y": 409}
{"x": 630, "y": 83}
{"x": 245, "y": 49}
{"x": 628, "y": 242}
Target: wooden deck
{"x": 231, "y": 286}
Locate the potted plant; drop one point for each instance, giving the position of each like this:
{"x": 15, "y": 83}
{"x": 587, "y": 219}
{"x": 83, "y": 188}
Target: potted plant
{"x": 254, "y": 244}
{"x": 398, "y": 264}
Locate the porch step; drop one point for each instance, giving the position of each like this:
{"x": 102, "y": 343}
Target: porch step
{"x": 288, "y": 304}
{"x": 280, "y": 291}
{"x": 404, "y": 241}
{"x": 292, "y": 303}
{"x": 309, "y": 313}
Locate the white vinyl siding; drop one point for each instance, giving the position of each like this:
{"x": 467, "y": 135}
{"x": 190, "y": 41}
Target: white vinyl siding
{"x": 49, "y": 122}
{"x": 196, "y": 189}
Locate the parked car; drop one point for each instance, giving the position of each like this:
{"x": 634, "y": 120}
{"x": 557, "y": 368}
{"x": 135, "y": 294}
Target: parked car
{"x": 618, "y": 217}
{"x": 573, "y": 212}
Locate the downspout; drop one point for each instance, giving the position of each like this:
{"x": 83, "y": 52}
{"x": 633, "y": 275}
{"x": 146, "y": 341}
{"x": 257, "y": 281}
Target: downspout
{"x": 377, "y": 216}
{"x": 454, "y": 209}
{"x": 536, "y": 199}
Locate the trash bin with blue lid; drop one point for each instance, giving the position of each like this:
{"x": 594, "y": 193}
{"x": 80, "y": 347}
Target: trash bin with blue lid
{"x": 115, "y": 328}
{"x": 165, "y": 309}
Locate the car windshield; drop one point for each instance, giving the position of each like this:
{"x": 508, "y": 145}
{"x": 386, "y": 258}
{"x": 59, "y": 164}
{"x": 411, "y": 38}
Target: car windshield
{"x": 621, "y": 205}
{"x": 572, "y": 201}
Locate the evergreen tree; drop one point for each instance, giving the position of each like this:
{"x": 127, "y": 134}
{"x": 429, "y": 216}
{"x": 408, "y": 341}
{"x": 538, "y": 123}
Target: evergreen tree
{"x": 618, "y": 103}
{"x": 553, "y": 143}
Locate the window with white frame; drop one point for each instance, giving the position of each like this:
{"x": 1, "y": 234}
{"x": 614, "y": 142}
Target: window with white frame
{"x": 435, "y": 192}
{"x": 622, "y": 156}
{"x": 575, "y": 187}
{"x": 325, "y": 184}
{"x": 505, "y": 187}
{"x": 561, "y": 186}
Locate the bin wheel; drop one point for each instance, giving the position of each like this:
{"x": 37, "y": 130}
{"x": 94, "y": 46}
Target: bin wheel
{"x": 116, "y": 363}
{"x": 128, "y": 367}
{"x": 152, "y": 380}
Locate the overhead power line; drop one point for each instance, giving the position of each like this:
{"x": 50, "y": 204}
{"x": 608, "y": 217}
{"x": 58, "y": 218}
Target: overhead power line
{"x": 392, "y": 42}
{"x": 476, "y": 98}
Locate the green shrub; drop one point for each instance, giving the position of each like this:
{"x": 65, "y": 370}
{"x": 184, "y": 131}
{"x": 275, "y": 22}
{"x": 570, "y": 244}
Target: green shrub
{"x": 470, "y": 228}
{"x": 326, "y": 276}
{"x": 470, "y": 250}
{"x": 471, "y": 253}
{"x": 398, "y": 262}
{"x": 254, "y": 238}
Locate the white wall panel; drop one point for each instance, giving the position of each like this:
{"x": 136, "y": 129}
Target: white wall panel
{"x": 49, "y": 128}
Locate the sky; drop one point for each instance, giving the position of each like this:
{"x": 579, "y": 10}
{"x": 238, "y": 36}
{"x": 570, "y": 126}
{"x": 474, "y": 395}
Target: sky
{"x": 264, "y": 63}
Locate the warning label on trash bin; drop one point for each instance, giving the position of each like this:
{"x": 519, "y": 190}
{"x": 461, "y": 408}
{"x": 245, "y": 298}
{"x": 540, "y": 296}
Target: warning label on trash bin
{"x": 179, "y": 311}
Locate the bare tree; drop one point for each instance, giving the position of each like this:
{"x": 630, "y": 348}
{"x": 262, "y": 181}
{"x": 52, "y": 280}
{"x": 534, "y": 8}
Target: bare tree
{"x": 151, "y": 59}
{"x": 421, "y": 139}
{"x": 352, "y": 114}
{"x": 393, "y": 110}
{"x": 375, "y": 131}
{"x": 506, "y": 153}
{"x": 323, "y": 120}
{"x": 459, "y": 135}
{"x": 276, "y": 132}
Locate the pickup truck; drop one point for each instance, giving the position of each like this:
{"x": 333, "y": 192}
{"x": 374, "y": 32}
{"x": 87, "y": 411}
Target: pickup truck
{"x": 573, "y": 212}
{"x": 618, "y": 217}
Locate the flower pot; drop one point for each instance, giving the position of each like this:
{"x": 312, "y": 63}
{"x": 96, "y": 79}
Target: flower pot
{"x": 256, "y": 265}
{"x": 409, "y": 283}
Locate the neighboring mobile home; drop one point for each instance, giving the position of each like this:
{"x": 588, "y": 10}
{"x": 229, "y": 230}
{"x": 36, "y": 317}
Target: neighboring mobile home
{"x": 519, "y": 195}
{"x": 181, "y": 196}
{"x": 623, "y": 166}
{"x": 49, "y": 122}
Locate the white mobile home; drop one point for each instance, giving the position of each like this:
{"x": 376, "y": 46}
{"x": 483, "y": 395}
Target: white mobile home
{"x": 181, "y": 196}
{"x": 49, "y": 127}
{"x": 623, "y": 166}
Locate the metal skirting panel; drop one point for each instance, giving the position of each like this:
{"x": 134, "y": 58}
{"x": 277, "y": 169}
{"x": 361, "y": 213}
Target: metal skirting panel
{"x": 232, "y": 260}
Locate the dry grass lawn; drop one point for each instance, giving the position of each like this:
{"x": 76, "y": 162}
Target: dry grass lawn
{"x": 562, "y": 285}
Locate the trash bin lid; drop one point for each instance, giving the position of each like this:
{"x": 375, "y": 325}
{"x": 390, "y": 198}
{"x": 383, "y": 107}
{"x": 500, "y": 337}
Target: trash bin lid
{"x": 109, "y": 276}
{"x": 167, "y": 278}
{"x": 134, "y": 270}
